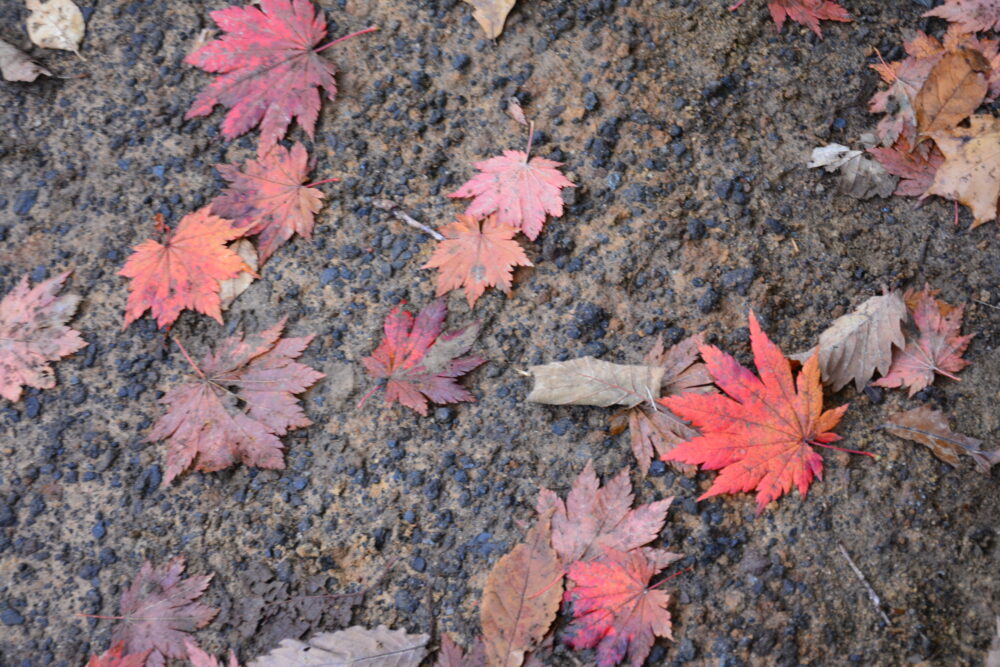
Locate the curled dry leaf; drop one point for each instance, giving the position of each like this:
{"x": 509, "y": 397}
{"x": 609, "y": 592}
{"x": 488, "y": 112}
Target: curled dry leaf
{"x": 860, "y": 177}
{"x": 33, "y": 332}
{"x": 160, "y": 610}
{"x": 970, "y": 173}
{"x": 491, "y": 15}
{"x": 114, "y": 657}
{"x": 970, "y": 15}
{"x": 930, "y": 427}
{"x": 379, "y": 647}
{"x": 521, "y": 597}
{"x": 590, "y": 381}
{"x": 55, "y": 24}
{"x": 955, "y": 88}
{"x": 15, "y": 65}
{"x": 861, "y": 342}
{"x": 231, "y": 288}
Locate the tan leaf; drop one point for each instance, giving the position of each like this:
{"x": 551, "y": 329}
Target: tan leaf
{"x": 233, "y": 287}
{"x": 590, "y": 381}
{"x": 356, "y": 645}
{"x": 955, "y": 88}
{"x": 860, "y": 177}
{"x": 55, "y": 24}
{"x": 970, "y": 173}
{"x": 521, "y": 597}
{"x": 859, "y": 343}
{"x": 515, "y": 111}
{"x": 930, "y": 427}
{"x": 491, "y": 15}
{"x": 15, "y": 65}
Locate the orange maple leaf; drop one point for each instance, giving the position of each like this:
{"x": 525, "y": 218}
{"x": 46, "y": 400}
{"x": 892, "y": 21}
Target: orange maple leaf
{"x": 520, "y": 191}
{"x": 615, "y": 609}
{"x": 184, "y": 271}
{"x": 113, "y": 658}
{"x": 269, "y": 197}
{"x": 476, "y": 254}
{"x": 760, "y": 434}
{"x": 807, "y": 12}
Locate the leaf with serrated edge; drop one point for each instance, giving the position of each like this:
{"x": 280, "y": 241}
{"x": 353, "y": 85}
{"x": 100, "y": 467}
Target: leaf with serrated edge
{"x": 590, "y": 381}
{"x": 356, "y": 645}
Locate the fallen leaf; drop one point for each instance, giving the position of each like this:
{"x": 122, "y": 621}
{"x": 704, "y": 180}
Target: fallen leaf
{"x": 33, "y": 332}
{"x": 521, "y": 597}
{"x": 184, "y": 271}
{"x": 807, "y": 12}
{"x": 954, "y": 89}
{"x": 858, "y": 344}
{"x": 113, "y": 658}
{"x": 418, "y": 363}
{"x": 269, "y": 198}
{"x": 615, "y": 609}
{"x": 55, "y": 24}
{"x": 937, "y": 347}
{"x": 476, "y": 254}
{"x": 15, "y": 65}
{"x": 159, "y": 611}
{"x": 915, "y": 165}
{"x": 356, "y": 645}
{"x": 759, "y": 434}
{"x": 491, "y": 15}
{"x": 241, "y": 401}
{"x": 515, "y": 111}
{"x": 199, "y": 658}
{"x": 452, "y": 655}
{"x": 270, "y": 68}
{"x": 590, "y": 381}
{"x": 231, "y": 288}
{"x": 520, "y": 191}
{"x": 653, "y": 429}
{"x": 859, "y": 177}
{"x": 930, "y": 427}
{"x": 970, "y": 173}
{"x": 970, "y": 15}
{"x": 594, "y": 519}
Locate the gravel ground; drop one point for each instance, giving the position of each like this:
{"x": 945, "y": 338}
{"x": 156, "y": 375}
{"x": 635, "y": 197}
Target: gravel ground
{"x": 687, "y": 128}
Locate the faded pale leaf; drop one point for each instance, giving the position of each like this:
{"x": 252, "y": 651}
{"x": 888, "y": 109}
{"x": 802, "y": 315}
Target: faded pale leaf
{"x": 515, "y": 111}
{"x": 970, "y": 15}
{"x": 200, "y": 658}
{"x": 970, "y": 173}
{"x": 861, "y": 342}
{"x": 55, "y": 24}
{"x": 491, "y": 15}
{"x": 859, "y": 177}
{"x": 521, "y": 597}
{"x": 15, "y": 65}
{"x": 930, "y": 427}
{"x": 590, "y": 381}
{"x": 955, "y": 88}
{"x": 231, "y": 288}
{"x": 354, "y": 647}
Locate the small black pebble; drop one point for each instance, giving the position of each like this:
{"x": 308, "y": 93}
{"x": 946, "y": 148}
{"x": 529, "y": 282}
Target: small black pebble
{"x": 875, "y": 394}
{"x": 657, "y": 468}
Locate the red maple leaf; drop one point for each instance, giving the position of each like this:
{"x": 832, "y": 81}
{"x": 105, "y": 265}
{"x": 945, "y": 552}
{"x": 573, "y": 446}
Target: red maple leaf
{"x": 521, "y": 192}
{"x": 270, "y": 66}
{"x": 159, "y": 611}
{"x": 615, "y": 609}
{"x": 269, "y": 198}
{"x": 242, "y": 400}
{"x": 113, "y": 658}
{"x": 476, "y": 254}
{"x": 760, "y": 434}
{"x": 807, "y": 12}
{"x": 970, "y": 15}
{"x": 915, "y": 166}
{"x": 33, "y": 332}
{"x": 418, "y": 363}
{"x": 938, "y": 347}
{"x": 185, "y": 270}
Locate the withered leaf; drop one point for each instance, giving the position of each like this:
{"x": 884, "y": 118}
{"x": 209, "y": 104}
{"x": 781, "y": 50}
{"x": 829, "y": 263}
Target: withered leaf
{"x": 859, "y": 343}
{"x": 55, "y": 24}
{"x": 521, "y": 597}
{"x": 231, "y": 288}
{"x": 15, "y": 65}
{"x": 354, "y": 646}
{"x": 860, "y": 177}
{"x": 590, "y": 381}
{"x": 970, "y": 173}
{"x": 491, "y": 15}
{"x": 930, "y": 427}
{"x": 955, "y": 88}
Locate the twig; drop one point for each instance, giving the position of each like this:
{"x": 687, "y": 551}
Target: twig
{"x": 872, "y": 595}
{"x": 393, "y": 207}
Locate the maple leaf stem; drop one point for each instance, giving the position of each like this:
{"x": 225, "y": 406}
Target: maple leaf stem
{"x": 188, "y": 357}
{"x": 666, "y": 579}
{"x": 368, "y": 395}
{"x": 737, "y": 5}
{"x": 531, "y": 139}
{"x": 843, "y": 449}
{"x": 371, "y": 28}
{"x": 325, "y": 180}
{"x": 109, "y": 618}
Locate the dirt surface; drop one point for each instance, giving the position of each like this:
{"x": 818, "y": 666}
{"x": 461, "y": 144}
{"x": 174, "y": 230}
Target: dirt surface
{"x": 687, "y": 128}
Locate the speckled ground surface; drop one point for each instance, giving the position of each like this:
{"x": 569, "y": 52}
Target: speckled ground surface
{"x": 687, "y": 128}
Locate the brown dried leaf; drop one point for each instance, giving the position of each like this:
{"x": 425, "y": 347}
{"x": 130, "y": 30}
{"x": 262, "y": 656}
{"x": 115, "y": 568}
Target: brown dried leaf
{"x": 521, "y": 597}
{"x": 860, "y": 177}
{"x": 356, "y": 645}
{"x": 859, "y": 343}
{"x": 15, "y": 65}
{"x": 955, "y": 88}
{"x": 970, "y": 173}
{"x": 590, "y": 381}
{"x": 491, "y": 15}
{"x": 451, "y": 655}
{"x": 930, "y": 427}
{"x": 231, "y": 288}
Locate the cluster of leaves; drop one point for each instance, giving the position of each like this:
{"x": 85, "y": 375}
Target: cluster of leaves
{"x": 930, "y": 94}
{"x": 52, "y": 24}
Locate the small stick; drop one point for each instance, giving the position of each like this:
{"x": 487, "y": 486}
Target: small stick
{"x": 393, "y": 207}
{"x": 872, "y": 595}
